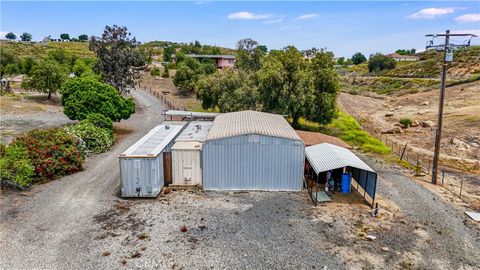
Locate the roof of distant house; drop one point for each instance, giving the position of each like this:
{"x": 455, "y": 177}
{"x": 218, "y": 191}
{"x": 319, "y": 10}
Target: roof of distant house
{"x": 223, "y": 56}
{"x": 251, "y": 122}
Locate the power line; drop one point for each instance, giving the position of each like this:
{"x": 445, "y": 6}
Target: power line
{"x": 448, "y": 49}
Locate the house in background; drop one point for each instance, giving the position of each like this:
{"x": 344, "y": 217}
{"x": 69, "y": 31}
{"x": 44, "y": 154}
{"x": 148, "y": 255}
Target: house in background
{"x": 398, "y": 57}
{"x": 221, "y": 61}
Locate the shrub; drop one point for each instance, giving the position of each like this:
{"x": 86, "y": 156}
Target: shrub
{"x": 406, "y": 122}
{"x": 83, "y": 96}
{"x": 166, "y": 73}
{"x": 15, "y": 166}
{"x": 100, "y": 120}
{"x": 52, "y": 152}
{"x": 155, "y": 71}
{"x": 93, "y": 139}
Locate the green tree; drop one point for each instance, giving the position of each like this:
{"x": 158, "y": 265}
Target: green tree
{"x": 325, "y": 85}
{"x": 11, "y": 36}
{"x": 167, "y": 53}
{"x": 284, "y": 84}
{"x": 27, "y": 65}
{"x": 358, "y": 58}
{"x": 84, "y": 96}
{"x": 379, "y": 62}
{"x": 249, "y": 55}
{"x": 7, "y": 57}
{"x": 118, "y": 59}
{"x": 47, "y": 76}
{"x": 26, "y": 37}
{"x": 341, "y": 61}
{"x": 406, "y": 52}
{"x": 166, "y": 73}
{"x": 83, "y": 37}
{"x": 230, "y": 90}
{"x": 65, "y": 36}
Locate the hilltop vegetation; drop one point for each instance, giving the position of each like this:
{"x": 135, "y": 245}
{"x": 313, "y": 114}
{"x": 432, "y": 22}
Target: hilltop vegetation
{"x": 413, "y": 77}
{"x": 41, "y": 50}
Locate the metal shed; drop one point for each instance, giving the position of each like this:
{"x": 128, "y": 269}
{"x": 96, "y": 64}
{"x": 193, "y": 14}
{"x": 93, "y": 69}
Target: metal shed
{"x": 146, "y": 164}
{"x": 251, "y": 150}
{"x": 186, "y": 154}
{"x": 326, "y": 157}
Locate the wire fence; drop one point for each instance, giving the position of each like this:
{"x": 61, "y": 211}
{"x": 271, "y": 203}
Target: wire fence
{"x": 459, "y": 184}
{"x": 162, "y": 97}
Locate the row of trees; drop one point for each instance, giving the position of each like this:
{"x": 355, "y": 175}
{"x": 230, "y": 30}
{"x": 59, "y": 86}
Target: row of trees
{"x": 23, "y": 37}
{"x": 28, "y": 37}
{"x": 377, "y": 62}
{"x": 280, "y": 81}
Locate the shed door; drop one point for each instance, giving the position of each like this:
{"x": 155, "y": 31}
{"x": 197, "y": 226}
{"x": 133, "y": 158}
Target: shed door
{"x": 167, "y": 168}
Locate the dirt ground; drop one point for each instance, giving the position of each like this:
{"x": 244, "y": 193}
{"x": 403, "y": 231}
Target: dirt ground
{"x": 460, "y": 133}
{"x": 22, "y": 112}
{"x": 166, "y": 87}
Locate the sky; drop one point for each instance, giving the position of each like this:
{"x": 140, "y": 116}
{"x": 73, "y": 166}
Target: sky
{"x": 342, "y": 27}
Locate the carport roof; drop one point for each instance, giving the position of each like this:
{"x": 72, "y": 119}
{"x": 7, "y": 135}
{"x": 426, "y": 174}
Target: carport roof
{"x": 325, "y": 156}
{"x": 251, "y": 122}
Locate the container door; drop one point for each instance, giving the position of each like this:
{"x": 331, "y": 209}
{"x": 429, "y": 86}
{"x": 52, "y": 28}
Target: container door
{"x": 167, "y": 168}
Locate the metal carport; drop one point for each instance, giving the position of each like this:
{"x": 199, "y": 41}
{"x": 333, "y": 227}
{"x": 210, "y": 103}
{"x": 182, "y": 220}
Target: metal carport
{"x": 326, "y": 157}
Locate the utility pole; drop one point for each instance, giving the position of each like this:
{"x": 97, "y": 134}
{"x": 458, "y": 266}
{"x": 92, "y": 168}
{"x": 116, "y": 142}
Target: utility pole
{"x": 447, "y": 57}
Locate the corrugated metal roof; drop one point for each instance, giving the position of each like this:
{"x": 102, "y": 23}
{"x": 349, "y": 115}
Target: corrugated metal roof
{"x": 325, "y": 156}
{"x": 251, "y": 122}
{"x": 154, "y": 141}
{"x": 195, "y": 131}
{"x": 191, "y": 114}
{"x": 187, "y": 146}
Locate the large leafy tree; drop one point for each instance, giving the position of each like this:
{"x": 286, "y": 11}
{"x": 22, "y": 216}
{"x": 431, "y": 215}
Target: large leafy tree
{"x": 189, "y": 71}
{"x": 11, "y": 36}
{"x": 118, "y": 58}
{"x": 83, "y": 37}
{"x": 26, "y": 36}
{"x": 284, "y": 84}
{"x": 249, "y": 54}
{"x": 46, "y": 76}
{"x": 358, "y": 58}
{"x": 325, "y": 85}
{"x": 84, "y": 96}
{"x": 230, "y": 90}
{"x": 379, "y": 62}
{"x": 65, "y": 36}
{"x": 7, "y": 58}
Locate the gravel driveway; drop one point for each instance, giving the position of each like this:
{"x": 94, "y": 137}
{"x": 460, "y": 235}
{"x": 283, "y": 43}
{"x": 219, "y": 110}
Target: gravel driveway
{"x": 79, "y": 222}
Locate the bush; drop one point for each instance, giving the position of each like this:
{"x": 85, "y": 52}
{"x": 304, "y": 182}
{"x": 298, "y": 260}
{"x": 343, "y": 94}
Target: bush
{"x": 52, "y": 152}
{"x": 155, "y": 71}
{"x": 379, "y": 62}
{"x": 406, "y": 122}
{"x": 15, "y": 166}
{"x": 100, "y": 120}
{"x": 83, "y": 96}
{"x": 93, "y": 139}
{"x": 166, "y": 73}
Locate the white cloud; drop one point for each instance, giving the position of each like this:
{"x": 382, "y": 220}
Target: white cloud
{"x": 307, "y": 16}
{"x": 279, "y": 20}
{"x": 245, "y": 15}
{"x": 468, "y": 18}
{"x": 431, "y": 13}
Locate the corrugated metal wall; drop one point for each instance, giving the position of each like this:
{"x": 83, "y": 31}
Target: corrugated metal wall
{"x": 253, "y": 162}
{"x": 186, "y": 167}
{"x": 144, "y": 174}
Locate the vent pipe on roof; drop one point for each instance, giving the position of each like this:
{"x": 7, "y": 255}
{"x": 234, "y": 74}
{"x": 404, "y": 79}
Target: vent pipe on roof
{"x": 167, "y": 127}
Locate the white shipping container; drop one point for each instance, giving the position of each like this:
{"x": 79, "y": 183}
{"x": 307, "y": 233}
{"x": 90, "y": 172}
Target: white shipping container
{"x": 186, "y": 163}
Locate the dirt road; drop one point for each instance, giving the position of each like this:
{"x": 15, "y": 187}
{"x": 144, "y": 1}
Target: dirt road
{"x": 50, "y": 228}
